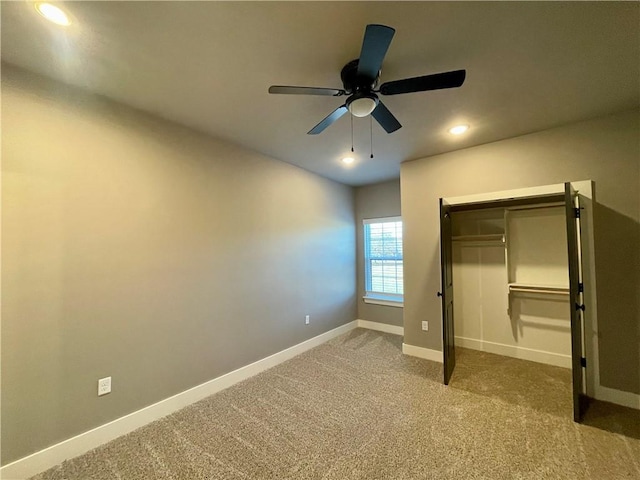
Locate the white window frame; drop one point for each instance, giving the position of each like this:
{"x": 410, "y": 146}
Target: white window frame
{"x": 378, "y": 298}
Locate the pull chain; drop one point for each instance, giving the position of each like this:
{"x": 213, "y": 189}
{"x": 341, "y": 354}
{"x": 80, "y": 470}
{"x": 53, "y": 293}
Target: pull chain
{"x": 351, "y": 132}
{"x": 371, "y": 131}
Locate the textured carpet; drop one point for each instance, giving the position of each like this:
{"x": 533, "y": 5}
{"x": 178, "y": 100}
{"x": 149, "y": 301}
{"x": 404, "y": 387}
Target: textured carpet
{"x": 356, "y": 408}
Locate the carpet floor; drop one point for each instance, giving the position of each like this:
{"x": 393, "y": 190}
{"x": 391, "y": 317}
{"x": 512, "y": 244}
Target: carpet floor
{"x": 357, "y": 408}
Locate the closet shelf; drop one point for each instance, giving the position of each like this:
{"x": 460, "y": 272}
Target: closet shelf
{"x": 493, "y": 238}
{"x": 546, "y": 289}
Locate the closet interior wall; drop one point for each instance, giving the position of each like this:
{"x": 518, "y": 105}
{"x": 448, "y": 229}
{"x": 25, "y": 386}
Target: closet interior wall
{"x": 511, "y": 282}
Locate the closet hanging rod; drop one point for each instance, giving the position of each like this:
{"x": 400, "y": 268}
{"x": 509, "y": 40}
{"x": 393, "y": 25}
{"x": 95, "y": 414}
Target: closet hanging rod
{"x": 534, "y": 207}
{"x": 496, "y": 237}
{"x": 540, "y": 289}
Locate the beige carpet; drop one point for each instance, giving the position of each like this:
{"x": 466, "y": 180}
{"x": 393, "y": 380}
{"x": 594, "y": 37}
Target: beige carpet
{"x": 356, "y": 408}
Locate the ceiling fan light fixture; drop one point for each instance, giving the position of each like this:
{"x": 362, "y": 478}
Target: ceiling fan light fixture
{"x": 362, "y": 105}
{"x": 348, "y": 160}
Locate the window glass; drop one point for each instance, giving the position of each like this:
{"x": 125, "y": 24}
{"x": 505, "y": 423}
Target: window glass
{"x": 383, "y": 257}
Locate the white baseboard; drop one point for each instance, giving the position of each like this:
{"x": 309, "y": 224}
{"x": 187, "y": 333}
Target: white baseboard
{"x": 557, "y": 359}
{"x": 49, "y": 457}
{"x": 421, "y": 352}
{"x": 412, "y": 350}
{"x": 380, "y": 327}
{"x": 619, "y": 397}
{"x": 606, "y": 394}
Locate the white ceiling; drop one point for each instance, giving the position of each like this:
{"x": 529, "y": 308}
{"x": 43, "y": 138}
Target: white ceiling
{"x": 530, "y": 66}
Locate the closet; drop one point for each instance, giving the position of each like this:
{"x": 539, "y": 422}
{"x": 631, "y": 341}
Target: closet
{"x": 523, "y": 273}
{"x": 512, "y": 284}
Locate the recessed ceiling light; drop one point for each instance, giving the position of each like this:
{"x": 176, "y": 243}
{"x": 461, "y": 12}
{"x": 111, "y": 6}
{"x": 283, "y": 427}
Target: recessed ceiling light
{"x": 53, "y": 14}
{"x": 348, "y": 160}
{"x": 458, "y": 129}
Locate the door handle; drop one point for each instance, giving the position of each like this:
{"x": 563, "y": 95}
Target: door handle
{"x": 439, "y": 294}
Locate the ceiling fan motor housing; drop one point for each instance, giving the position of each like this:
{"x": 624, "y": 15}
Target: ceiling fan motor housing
{"x": 354, "y": 83}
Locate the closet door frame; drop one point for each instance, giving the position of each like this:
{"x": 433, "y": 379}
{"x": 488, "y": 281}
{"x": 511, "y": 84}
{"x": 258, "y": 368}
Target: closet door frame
{"x": 576, "y": 301}
{"x": 551, "y": 194}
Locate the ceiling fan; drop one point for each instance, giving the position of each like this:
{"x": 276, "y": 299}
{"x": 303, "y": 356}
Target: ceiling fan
{"x": 360, "y": 79}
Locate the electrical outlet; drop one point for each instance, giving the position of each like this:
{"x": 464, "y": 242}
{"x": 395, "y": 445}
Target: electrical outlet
{"x": 425, "y": 325}
{"x": 104, "y": 386}
{"x": 306, "y": 320}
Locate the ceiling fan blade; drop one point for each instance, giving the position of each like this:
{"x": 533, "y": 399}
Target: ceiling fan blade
{"x": 421, "y": 84}
{"x": 385, "y": 118}
{"x": 328, "y": 120}
{"x": 291, "y": 90}
{"x": 375, "y": 44}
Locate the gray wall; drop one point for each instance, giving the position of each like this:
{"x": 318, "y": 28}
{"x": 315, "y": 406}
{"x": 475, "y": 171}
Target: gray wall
{"x": 136, "y": 248}
{"x": 373, "y": 201}
{"x": 606, "y": 150}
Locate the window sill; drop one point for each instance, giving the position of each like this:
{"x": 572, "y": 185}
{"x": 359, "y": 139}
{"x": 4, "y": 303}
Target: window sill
{"x": 383, "y": 300}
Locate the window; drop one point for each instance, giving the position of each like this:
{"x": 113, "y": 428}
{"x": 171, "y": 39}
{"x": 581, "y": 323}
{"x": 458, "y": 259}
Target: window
{"x": 383, "y": 261}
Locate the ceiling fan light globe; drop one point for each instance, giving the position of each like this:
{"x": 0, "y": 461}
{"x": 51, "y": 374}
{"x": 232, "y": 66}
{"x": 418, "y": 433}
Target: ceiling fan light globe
{"x": 363, "y": 106}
